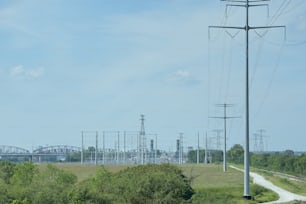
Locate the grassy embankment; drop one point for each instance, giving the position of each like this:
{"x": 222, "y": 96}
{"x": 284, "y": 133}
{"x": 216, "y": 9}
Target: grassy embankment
{"x": 297, "y": 187}
{"x": 210, "y": 183}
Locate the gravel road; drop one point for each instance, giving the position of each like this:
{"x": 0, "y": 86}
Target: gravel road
{"x": 284, "y": 196}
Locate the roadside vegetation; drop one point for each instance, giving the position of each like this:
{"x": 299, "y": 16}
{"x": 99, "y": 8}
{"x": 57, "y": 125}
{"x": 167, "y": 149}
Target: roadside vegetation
{"x": 273, "y": 166}
{"x": 212, "y": 185}
{"x": 26, "y": 183}
{"x": 288, "y": 183}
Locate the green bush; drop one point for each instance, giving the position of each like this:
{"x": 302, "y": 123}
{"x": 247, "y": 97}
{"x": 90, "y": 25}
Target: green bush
{"x": 139, "y": 184}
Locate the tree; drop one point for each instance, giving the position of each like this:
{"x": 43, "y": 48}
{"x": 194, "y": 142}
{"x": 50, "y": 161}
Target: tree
{"x": 53, "y": 185}
{"x": 6, "y": 170}
{"x": 140, "y": 184}
{"x": 236, "y": 154}
{"x": 20, "y": 188}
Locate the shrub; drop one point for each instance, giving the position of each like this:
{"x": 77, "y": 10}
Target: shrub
{"x": 139, "y": 184}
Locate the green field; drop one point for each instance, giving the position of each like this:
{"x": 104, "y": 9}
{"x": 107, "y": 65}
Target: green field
{"x": 210, "y": 183}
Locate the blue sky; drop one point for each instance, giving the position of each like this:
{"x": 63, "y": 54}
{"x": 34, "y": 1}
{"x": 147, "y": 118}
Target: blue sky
{"x": 68, "y": 66}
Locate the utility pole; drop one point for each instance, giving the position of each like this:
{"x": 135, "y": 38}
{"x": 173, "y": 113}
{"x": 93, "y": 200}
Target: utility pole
{"x": 247, "y": 4}
{"x": 124, "y": 147}
{"x": 155, "y": 151}
{"x": 198, "y": 149}
{"x": 82, "y": 148}
{"x": 225, "y": 117}
{"x": 118, "y": 148}
{"x": 206, "y": 152}
{"x": 96, "y": 149}
{"x": 103, "y": 138}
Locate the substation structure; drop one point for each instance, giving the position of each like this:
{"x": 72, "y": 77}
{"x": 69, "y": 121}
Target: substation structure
{"x": 125, "y": 147}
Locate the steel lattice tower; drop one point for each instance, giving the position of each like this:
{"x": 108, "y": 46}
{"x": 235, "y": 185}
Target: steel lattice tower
{"x": 142, "y": 141}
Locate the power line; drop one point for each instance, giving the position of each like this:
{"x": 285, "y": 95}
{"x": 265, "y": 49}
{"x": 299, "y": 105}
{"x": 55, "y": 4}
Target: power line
{"x": 246, "y": 4}
{"x": 225, "y": 117}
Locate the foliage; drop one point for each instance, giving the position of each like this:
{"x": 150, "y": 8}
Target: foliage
{"x": 6, "y": 170}
{"x": 232, "y": 195}
{"x": 236, "y": 154}
{"x": 285, "y": 162}
{"x": 261, "y": 194}
{"x": 19, "y": 189}
{"x": 3, "y": 192}
{"x": 53, "y": 186}
{"x": 140, "y": 184}
{"x": 29, "y": 183}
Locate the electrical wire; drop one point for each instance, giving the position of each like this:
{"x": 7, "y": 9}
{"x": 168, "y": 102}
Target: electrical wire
{"x": 227, "y": 86}
{"x": 267, "y": 90}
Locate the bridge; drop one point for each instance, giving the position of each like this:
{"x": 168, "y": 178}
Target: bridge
{"x": 48, "y": 153}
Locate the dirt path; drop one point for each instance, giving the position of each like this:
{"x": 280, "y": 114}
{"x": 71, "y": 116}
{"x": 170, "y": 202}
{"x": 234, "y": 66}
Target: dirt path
{"x": 284, "y": 196}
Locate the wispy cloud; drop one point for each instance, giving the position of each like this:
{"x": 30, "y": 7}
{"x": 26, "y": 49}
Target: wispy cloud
{"x": 183, "y": 77}
{"x": 19, "y": 72}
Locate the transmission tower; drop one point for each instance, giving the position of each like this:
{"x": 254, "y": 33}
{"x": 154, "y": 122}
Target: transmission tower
{"x": 225, "y": 117}
{"x": 181, "y": 153}
{"x": 247, "y": 4}
{"x": 218, "y": 138}
{"x": 259, "y": 145}
{"x": 255, "y": 136}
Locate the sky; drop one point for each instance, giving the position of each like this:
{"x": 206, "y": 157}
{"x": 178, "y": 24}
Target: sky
{"x": 72, "y": 66}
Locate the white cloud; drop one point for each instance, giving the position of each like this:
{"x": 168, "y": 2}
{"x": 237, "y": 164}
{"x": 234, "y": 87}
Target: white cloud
{"x": 19, "y": 72}
{"x": 183, "y": 76}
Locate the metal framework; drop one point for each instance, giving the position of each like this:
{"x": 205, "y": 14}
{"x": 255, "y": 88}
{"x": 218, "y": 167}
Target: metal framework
{"x": 5, "y": 149}
{"x": 142, "y": 142}
{"x": 57, "y": 149}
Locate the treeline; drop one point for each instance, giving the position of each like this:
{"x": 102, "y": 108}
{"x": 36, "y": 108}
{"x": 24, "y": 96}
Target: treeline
{"x": 25, "y": 183}
{"x": 286, "y": 162}
{"x": 216, "y": 156}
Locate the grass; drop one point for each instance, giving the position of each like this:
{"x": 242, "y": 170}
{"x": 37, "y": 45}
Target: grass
{"x": 84, "y": 171}
{"x": 210, "y": 183}
{"x": 211, "y": 176}
{"x": 285, "y": 183}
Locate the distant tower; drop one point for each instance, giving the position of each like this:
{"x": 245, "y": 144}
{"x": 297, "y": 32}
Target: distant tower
{"x": 178, "y": 147}
{"x": 142, "y": 140}
{"x": 181, "y": 153}
{"x": 151, "y": 150}
{"x": 151, "y": 145}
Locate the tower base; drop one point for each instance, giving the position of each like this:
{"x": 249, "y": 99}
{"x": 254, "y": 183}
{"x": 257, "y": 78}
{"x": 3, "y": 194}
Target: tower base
{"x": 247, "y": 197}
